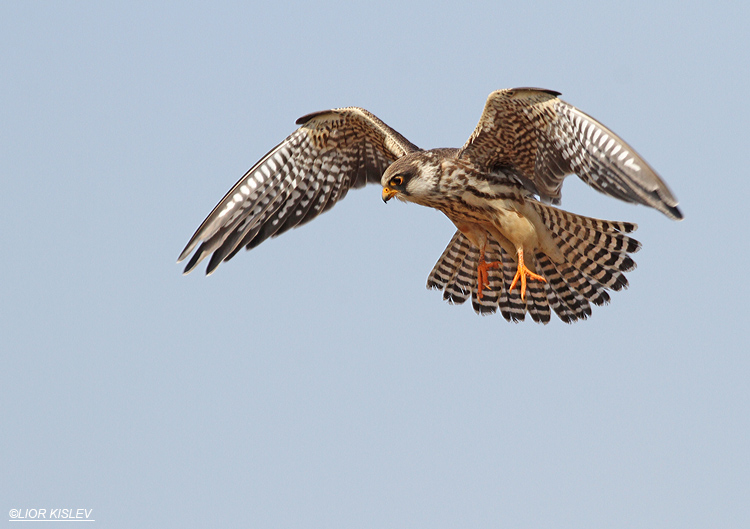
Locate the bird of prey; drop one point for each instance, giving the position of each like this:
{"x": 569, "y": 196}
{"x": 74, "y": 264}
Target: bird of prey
{"x": 512, "y": 250}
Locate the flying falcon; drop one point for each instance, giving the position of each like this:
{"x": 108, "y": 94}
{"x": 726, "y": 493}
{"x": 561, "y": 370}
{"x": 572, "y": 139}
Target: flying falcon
{"x": 512, "y": 250}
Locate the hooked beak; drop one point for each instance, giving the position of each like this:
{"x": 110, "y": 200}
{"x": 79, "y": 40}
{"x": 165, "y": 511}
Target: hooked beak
{"x": 388, "y": 194}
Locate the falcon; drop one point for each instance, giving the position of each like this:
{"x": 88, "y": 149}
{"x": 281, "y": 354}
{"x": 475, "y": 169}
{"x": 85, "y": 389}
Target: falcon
{"x": 513, "y": 250}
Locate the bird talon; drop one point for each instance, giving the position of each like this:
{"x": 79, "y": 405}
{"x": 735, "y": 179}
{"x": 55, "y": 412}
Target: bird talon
{"x": 483, "y": 280}
{"x": 522, "y": 273}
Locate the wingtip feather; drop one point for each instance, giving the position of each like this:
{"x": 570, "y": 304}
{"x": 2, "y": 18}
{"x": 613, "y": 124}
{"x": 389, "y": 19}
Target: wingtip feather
{"x": 675, "y": 212}
{"x": 184, "y": 254}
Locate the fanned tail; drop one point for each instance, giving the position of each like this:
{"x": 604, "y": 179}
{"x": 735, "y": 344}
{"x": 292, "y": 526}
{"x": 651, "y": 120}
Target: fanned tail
{"x": 595, "y": 258}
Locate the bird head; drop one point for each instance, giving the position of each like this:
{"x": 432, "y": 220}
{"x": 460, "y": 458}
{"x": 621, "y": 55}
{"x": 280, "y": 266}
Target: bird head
{"x": 409, "y": 178}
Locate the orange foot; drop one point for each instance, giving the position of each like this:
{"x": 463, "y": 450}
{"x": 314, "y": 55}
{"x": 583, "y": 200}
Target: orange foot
{"x": 522, "y": 273}
{"x": 482, "y": 279}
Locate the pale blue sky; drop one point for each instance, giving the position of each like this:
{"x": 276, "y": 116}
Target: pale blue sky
{"x": 314, "y": 382}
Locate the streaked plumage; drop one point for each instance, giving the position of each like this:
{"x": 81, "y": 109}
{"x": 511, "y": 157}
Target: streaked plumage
{"x": 526, "y": 142}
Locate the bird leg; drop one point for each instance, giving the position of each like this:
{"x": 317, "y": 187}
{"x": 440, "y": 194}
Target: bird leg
{"x": 482, "y": 277}
{"x": 521, "y": 274}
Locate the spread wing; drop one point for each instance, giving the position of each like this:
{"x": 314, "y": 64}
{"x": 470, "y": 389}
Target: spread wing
{"x": 303, "y": 176}
{"x": 543, "y": 139}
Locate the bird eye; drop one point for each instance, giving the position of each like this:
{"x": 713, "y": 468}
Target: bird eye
{"x": 397, "y": 181}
